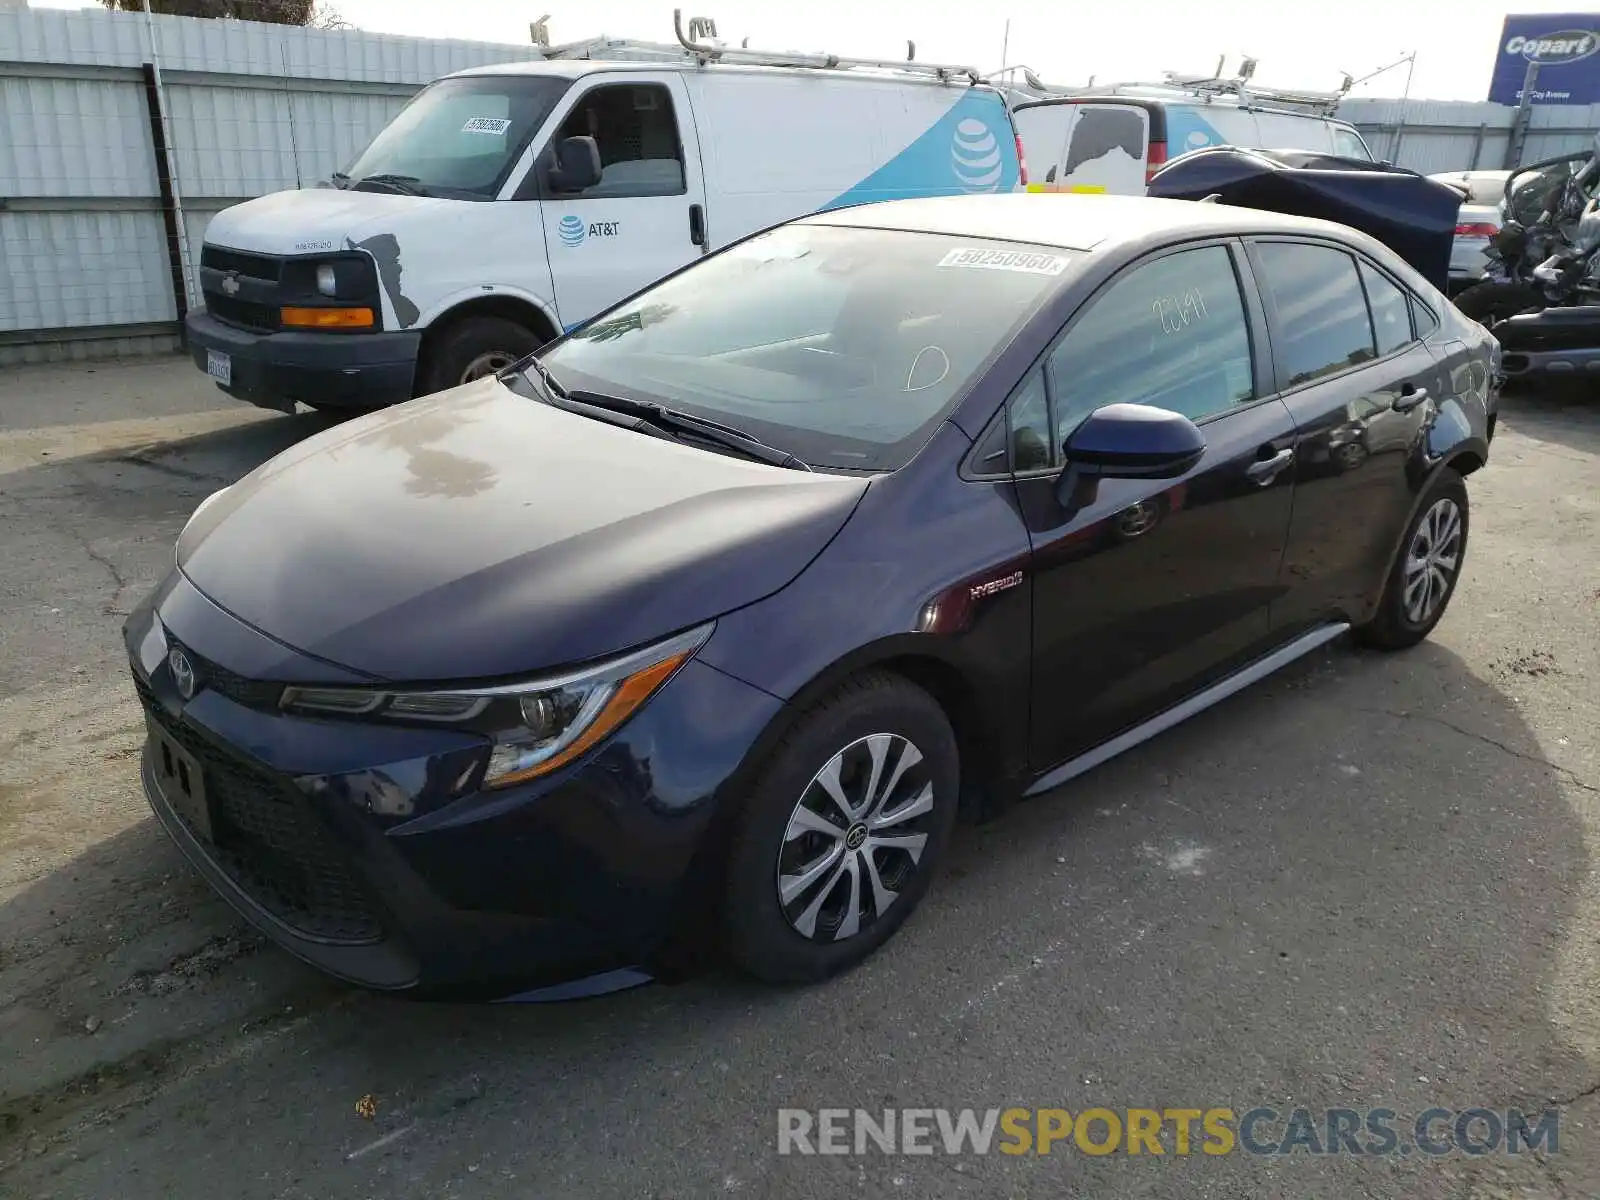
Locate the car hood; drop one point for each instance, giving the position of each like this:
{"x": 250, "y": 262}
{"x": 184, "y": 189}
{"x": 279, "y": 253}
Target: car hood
{"x": 319, "y": 219}
{"x": 479, "y": 533}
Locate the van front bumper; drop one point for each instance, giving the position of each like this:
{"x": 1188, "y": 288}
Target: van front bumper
{"x": 325, "y": 370}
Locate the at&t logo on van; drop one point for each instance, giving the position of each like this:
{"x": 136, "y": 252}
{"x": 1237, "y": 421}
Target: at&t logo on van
{"x": 571, "y": 230}
{"x": 975, "y": 155}
{"x": 1567, "y": 46}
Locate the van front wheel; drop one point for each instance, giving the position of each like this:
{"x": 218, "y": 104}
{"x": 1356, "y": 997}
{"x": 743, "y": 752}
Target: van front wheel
{"x": 472, "y": 348}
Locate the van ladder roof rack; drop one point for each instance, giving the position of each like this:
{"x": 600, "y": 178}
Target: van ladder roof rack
{"x": 691, "y": 47}
{"x": 1207, "y": 88}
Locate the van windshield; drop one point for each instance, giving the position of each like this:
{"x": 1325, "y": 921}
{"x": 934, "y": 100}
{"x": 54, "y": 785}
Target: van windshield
{"x": 843, "y": 346}
{"x": 459, "y": 137}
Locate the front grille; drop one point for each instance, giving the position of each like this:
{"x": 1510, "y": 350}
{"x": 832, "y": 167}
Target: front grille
{"x": 246, "y": 314}
{"x": 269, "y": 841}
{"x": 252, "y": 693}
{"x": 256, "y": 266}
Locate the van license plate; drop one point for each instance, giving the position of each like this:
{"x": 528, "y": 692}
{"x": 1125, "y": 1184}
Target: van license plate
{"x": 220, "y": 367}
{"x": 181, "y": 780}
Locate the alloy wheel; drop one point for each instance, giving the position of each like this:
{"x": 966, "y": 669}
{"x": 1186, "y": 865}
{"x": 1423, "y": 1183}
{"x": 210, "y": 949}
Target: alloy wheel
{"x": 855, "y": 838}
{"x": 1432, "y": 560}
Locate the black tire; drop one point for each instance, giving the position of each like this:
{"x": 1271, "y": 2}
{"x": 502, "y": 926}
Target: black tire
{"x": 1490, "y": 303}
{"x": 470, "y": 348}
{"x": 763, "y": 933}
{"x": 1396, "y": 625}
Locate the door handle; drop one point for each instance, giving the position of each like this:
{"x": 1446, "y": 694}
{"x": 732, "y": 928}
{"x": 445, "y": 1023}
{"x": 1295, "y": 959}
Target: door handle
{"x": 697, "y": 225}
{"x": 1410, "y": 396}
{"x": 1267, "y": 469}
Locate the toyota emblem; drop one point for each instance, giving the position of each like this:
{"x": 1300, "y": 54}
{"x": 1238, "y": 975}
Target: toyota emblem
{"x": 182, "y": 673}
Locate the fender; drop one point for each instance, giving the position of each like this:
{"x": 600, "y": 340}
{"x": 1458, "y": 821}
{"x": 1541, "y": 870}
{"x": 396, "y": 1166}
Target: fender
{"x": 488, "y": 291}
{"x": 1464, "y": 455}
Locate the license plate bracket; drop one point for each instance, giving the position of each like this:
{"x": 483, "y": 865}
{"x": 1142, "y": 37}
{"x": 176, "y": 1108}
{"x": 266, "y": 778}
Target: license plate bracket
{"x": 182, "y": 781}
{"x": 220, "y": 367}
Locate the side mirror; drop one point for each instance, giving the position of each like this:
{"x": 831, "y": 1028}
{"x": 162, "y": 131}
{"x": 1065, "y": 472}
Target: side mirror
{"x": 1128, "y": 441}
{"x": 577, "y": 165}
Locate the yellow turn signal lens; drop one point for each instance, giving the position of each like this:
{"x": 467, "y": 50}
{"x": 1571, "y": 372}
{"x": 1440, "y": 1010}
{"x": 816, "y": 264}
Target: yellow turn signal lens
{"x": 326, "y": 318}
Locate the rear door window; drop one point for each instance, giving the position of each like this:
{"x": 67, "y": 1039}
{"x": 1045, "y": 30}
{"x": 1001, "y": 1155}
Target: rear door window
{"x": 1321, "y": 323}
{"x": 1106, "y": 149}
{"x": 1043, "y": 130}
{"x": 1391, "y": 311}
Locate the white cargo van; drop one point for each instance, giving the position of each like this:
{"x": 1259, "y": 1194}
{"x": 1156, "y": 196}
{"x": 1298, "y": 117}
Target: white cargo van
{"x": 507, "y": 204}
{"x": 1112, "y": 139}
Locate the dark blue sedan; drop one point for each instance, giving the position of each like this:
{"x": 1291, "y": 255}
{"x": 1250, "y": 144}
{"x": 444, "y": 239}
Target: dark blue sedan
{"x": 703, "y": 626}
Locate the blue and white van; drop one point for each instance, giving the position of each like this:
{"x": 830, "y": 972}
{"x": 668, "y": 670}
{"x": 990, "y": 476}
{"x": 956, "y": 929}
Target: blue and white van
{"x": 1116, "y": 139}
{"x": 507, "y": 204}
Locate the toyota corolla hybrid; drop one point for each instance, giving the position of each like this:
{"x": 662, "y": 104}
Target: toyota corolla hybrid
{"x": 708, "y": 620}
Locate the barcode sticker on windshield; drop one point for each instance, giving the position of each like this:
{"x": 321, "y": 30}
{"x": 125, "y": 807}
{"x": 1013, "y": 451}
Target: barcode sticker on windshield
{"x": 1006, "y": 260}
{"x": 486, "y": 125}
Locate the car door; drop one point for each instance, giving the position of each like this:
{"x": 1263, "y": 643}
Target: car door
{"x": 646, "y": 217}
{"x": 1154, "y": 587}
{"x": 1361, "y": 387}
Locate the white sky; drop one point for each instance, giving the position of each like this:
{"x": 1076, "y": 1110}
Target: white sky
{"x": 1298, "y": 44}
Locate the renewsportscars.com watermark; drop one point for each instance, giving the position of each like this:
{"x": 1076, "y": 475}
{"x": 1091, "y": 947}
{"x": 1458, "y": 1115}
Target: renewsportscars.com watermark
{"x": 1379, "y": 1132}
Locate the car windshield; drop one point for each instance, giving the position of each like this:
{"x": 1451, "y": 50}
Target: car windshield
{"x": 459, "y": 137}
{"x": 844, "y": 346}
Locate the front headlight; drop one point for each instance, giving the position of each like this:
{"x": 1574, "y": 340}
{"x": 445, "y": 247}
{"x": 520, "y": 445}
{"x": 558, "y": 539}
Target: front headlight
{"x": 537, "y": 726}
{"x": 327, "y": 280}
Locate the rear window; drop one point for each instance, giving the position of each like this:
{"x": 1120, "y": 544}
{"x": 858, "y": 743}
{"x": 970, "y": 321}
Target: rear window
{"x": 843, "y": 346}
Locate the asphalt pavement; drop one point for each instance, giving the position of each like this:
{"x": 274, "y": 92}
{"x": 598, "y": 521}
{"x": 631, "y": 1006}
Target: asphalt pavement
{"x": 1366, "y": 883}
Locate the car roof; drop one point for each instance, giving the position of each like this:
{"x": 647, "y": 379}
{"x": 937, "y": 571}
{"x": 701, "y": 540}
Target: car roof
{"x": 1072, "y": 221}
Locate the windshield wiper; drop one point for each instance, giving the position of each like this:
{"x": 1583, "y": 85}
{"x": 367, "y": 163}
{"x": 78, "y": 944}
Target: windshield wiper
{"x": 708, "y": 430}
{"x": 659, "y": 417}
{"x": 406, "y": 185}
{"x": 339, "y": 180}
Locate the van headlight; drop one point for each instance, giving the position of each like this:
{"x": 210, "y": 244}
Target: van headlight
{"x": 537, "y": 726}
{"x": 327, "y": 280}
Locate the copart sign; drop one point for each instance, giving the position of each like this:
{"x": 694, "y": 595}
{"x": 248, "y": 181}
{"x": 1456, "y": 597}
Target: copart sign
{"x": 1565, "y": 47}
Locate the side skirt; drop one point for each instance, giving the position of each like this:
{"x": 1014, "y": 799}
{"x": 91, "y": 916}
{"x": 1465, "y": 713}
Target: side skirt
{"x": 1182, "y": 711}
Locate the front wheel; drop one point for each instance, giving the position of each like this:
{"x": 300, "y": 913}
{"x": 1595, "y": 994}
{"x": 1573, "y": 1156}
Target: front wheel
{"x": 472, "y": 348}
{"x": 842, "y": 831}
{"x": 1424, "y": 576}
{"x": 1490, "y": 303}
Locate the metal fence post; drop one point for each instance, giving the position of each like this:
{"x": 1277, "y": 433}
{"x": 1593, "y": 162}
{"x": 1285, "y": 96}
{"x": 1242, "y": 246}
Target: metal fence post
{"x": 169, "y": 205}
{"x": 1519, "y": 126}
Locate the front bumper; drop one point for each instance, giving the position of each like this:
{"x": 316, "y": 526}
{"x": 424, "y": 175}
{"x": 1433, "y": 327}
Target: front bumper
{"x": 329, "y": 370}
{"x": 365, "y": 850}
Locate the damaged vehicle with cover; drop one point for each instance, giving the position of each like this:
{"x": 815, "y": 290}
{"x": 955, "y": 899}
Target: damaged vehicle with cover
{"x": 702, "y": 625}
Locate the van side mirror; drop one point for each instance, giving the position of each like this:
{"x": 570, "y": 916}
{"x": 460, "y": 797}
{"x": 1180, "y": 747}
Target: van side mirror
{"x": 1127, "y": 441}
{"x": 577, "y": 165}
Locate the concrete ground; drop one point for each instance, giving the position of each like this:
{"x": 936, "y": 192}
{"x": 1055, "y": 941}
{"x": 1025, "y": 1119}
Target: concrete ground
{"x": 1368, "y": 882}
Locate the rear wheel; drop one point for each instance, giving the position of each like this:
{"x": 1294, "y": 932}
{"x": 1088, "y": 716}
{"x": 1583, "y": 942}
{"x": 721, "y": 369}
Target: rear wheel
{"x": 842, "y": 832}
{"x": 1424, "y": 575}
{"x": 471, "y": 348}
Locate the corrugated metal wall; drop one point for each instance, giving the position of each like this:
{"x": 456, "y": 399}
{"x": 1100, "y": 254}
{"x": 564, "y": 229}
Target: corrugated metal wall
{"x": 251, "y": 109}
{"x": 1450, "y": 135}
